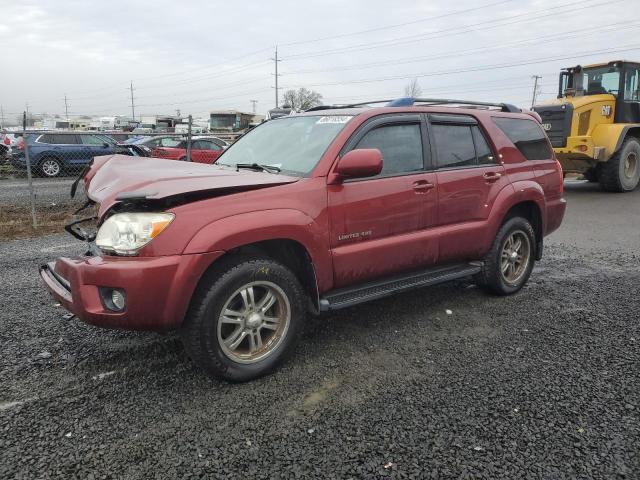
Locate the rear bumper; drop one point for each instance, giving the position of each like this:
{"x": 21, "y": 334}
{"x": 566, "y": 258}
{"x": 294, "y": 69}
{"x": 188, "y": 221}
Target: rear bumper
{"x": 158, "y": 289}
{"x": 555, "y": 214}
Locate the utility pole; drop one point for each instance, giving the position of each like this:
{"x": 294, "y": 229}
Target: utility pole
{"x": 275, "y": 61}
{"x": 535, "y": 89}
{"x": 253, "y": 105}
{"x": 133, "y": 108}
{"x": 66, "y": 107}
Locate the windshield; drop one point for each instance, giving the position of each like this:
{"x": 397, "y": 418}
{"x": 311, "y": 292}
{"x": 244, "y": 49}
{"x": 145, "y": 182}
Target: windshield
{"x": 594, "y": 81}
{"x": 293, "y": 144}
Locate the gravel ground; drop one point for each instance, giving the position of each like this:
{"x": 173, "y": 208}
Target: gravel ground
{"x": 47, "y": 191}
{"x": 542, "y": 384}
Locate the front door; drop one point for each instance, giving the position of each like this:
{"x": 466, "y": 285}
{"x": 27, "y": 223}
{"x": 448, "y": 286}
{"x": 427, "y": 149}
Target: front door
{"x": 469, "y": 179}
{"x": 377, "y": 224}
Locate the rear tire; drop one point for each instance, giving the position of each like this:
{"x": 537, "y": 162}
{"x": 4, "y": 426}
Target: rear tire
{"x": 244, "y": 319}
{"x": 622, "y": 172}
{"x": 509, "y": 263}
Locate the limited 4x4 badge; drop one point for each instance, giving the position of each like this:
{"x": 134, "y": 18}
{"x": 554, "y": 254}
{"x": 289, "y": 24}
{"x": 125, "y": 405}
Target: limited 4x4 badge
{"x": 352, "y": 236}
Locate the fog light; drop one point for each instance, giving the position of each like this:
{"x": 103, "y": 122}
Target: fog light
{"x": 582, "y": 148}
{"x": 113, "y": 299}
{"x": 117, "y": 297}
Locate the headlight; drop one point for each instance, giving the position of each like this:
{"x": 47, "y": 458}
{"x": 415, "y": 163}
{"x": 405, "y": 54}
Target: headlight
{"x": 126, "y": 233}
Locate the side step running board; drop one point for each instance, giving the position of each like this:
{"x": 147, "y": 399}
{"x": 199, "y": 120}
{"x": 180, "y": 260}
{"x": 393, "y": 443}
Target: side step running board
{"x": 347, "y": 297}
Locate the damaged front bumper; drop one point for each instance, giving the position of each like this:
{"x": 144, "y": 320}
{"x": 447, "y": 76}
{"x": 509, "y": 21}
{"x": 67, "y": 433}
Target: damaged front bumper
{"x": 157, "y": 289}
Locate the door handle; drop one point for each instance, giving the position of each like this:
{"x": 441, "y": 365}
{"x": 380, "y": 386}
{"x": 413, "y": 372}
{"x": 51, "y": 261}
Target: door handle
{"x": 492, "y": 176}
{"x": 422, "y": 186}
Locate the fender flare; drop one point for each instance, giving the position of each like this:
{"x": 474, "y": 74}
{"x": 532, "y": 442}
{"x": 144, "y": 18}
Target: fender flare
{"x": 236, "y": 231}
{"x": 523, "y": 191}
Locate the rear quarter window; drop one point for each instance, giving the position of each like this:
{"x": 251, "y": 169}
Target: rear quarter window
{"x": 527, "y": 136}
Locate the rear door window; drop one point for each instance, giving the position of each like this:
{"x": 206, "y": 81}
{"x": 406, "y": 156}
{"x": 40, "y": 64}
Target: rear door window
{"x": 454, "y": 145}
{"x": 527, "y": 136}
{"x": 483, "y": 152}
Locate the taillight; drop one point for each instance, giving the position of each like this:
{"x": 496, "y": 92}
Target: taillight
{"x": 20, "y": 143}
{"x": 561, "y": 173}
{"x": 6, "y": 140}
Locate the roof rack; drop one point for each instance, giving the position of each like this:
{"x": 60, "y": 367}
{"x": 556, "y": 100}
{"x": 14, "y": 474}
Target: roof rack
{"x": 409, "y": 101}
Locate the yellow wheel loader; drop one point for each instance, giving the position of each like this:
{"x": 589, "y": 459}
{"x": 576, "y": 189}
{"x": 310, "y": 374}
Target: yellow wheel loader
{"x": 594, "y": 124}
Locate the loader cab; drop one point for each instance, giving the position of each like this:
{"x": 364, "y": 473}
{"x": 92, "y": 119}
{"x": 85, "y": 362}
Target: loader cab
{"x": 619, "y": 78}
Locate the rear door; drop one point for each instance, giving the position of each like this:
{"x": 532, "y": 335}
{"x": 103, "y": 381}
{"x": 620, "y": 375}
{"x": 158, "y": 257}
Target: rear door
{"x": 94, "y": 146}
{"x": 65, "y": 146}
{"x": 378, "y": 224}
{"x": 469, "y": 179}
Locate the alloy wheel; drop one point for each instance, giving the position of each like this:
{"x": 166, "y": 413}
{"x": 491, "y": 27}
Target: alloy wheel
{"x": 253, "y": 322}
{"x": 50, "y": 167}
{"x": 516, "y": 253}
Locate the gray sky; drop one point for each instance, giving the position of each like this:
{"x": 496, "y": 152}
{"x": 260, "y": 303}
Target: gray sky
{"x": 197, "y": 55}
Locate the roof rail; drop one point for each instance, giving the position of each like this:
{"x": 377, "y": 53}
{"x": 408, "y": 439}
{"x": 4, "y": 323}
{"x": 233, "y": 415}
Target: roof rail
{"x": 409, "y": 101}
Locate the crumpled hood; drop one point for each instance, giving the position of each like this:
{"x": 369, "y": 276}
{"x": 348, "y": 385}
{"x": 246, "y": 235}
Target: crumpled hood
{"x": 120, "y": 177}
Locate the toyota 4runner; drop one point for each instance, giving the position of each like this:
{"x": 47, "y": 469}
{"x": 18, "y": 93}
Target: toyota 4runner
{"x": 306, "y": 214}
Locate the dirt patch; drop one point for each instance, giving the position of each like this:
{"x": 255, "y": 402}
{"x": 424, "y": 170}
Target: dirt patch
{"x": 16, "y": 222}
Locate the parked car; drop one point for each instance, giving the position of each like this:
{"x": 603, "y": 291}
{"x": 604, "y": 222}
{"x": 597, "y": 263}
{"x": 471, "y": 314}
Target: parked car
{"x": 311, "y": 213}
{"x": 203, "y": 150}
{"x": 54, "y": 154}
{"x": 156, "y": 141}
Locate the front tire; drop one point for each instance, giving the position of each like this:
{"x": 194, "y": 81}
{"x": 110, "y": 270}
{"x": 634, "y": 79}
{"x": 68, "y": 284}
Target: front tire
{"x": 245, "y": 319}
{"x": 622, "y": 172}
{"x": 50, "y": 167}
{"x": 509, "y": 263}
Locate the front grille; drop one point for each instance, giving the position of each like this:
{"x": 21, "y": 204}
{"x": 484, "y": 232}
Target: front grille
{"x": 556, "y": 121}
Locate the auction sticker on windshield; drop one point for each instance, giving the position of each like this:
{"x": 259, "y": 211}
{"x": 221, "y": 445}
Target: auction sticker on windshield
{"x": 334, "y": 119}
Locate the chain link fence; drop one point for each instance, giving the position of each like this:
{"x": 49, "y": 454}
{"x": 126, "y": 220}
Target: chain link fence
{"x": 38, "y": 167}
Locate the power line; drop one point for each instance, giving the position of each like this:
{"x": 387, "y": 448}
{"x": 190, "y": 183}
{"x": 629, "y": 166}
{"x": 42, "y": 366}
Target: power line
{"x": 404, "y": 24}
{"x": 465, "y": 52}
{"x": 477, "y": 69}
{"x": 449, "y": 31}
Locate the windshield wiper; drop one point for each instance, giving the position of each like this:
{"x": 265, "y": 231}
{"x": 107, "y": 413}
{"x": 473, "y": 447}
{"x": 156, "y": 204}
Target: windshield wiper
{"x": 260, "y": 168}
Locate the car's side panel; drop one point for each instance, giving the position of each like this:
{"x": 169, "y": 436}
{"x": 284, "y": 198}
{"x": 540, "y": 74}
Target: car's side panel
{"x": 466, "y": 200}
{"x": 289, "y": 224}
{"x": 381, "y": 218}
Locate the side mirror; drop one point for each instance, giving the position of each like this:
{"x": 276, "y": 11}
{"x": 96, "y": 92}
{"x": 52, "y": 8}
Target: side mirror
{"x": 105, "y": 145}
{"x": 361, "y": 163}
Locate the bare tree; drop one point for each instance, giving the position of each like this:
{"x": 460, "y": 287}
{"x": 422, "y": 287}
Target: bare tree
{"x": 413, "y": 89}
{"x": 301, "y": 99}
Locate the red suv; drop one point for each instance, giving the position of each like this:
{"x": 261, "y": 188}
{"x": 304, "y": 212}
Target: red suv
{"x": 311, "y": 213}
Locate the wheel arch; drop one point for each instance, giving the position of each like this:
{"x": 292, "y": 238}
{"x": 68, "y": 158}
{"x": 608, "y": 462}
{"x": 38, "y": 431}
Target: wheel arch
{"x": 628, "y": 131}
{"x": 529, "y": 210}
{"x": 290, "y": 253}
{"x": 528, "y": 201}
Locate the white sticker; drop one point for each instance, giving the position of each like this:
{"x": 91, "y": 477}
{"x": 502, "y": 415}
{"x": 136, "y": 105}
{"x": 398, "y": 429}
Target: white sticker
{"x": 334, "y": 119}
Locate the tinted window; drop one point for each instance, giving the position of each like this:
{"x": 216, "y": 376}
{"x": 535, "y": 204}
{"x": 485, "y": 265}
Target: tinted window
{"x": 483, "y": 152}
{"x": 92, "y": 140}
{"x": 168, "y": 142}
{"x": 454, "y": 145}
{"x": 527, "y": 136}
{"x": 58, "y": 139}
{"x": 400, "y": 145}
{"x": 204, "y": 145}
